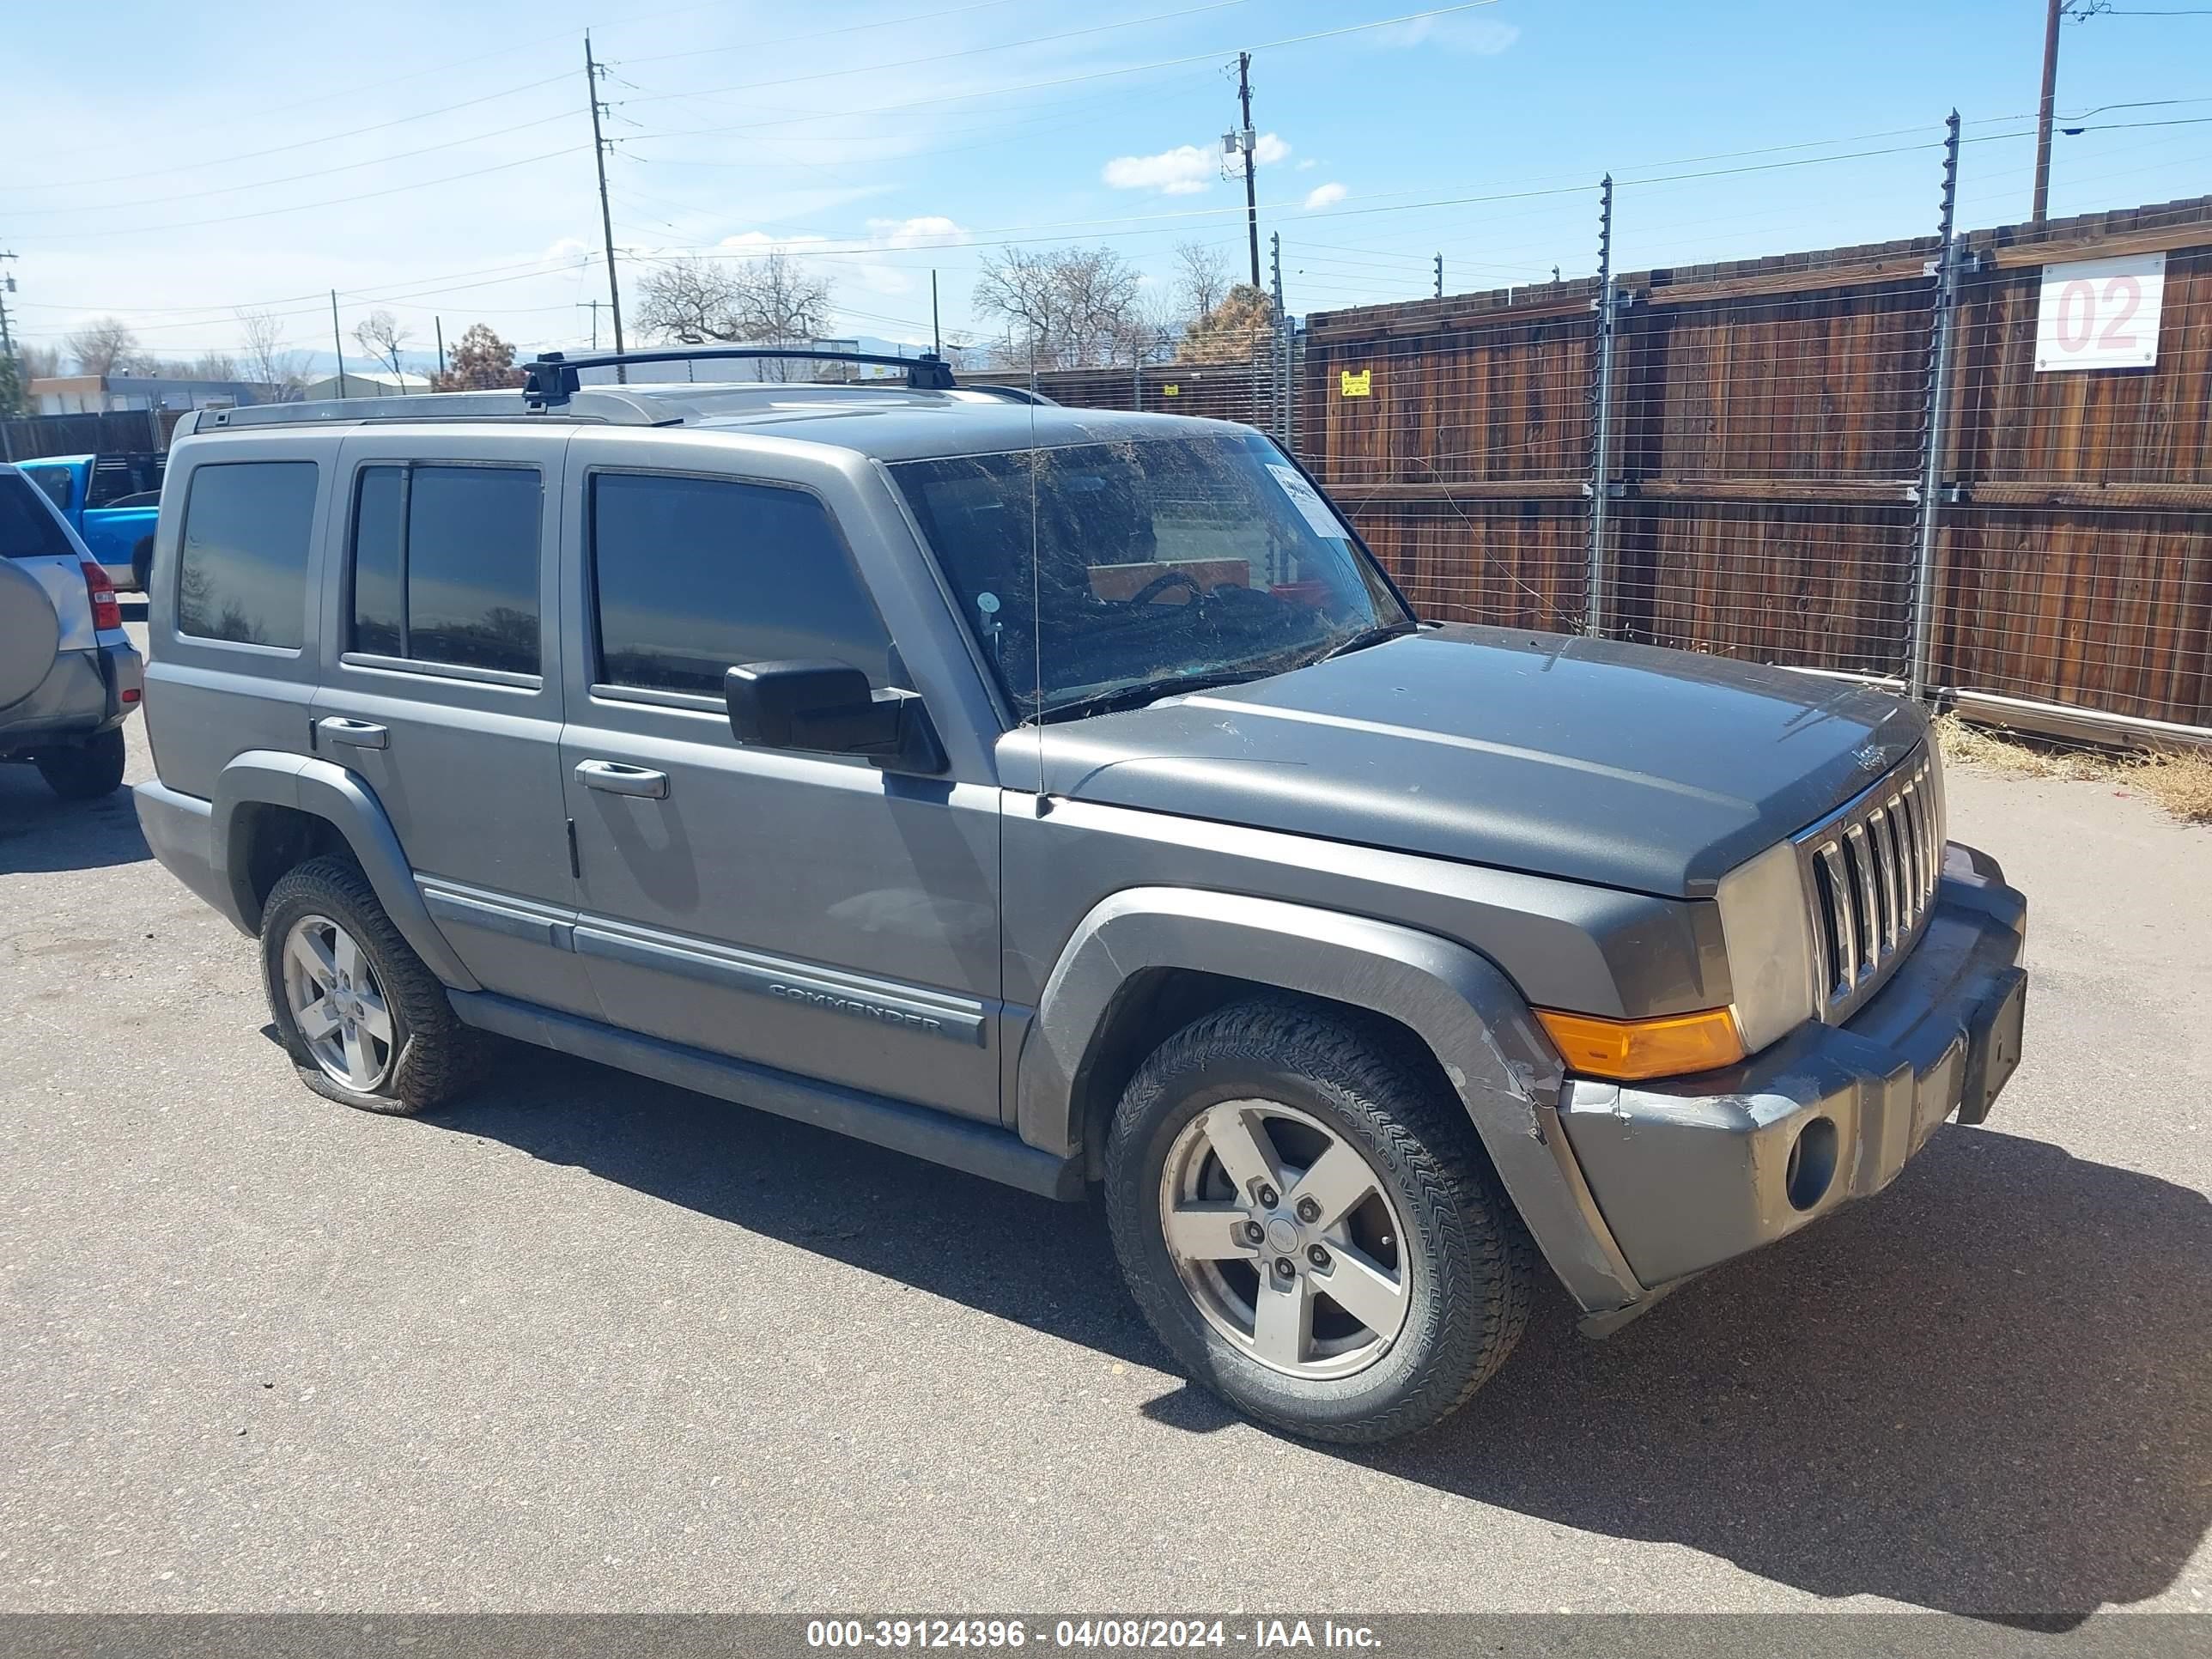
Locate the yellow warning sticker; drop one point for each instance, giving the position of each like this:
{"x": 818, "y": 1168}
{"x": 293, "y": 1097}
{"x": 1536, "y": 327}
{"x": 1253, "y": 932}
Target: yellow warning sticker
{"x": 1171, "y": 390}
{"x": 1356, "y": 385}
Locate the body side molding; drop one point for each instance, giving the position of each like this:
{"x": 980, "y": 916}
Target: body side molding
{"x": 1505, "y": 1072}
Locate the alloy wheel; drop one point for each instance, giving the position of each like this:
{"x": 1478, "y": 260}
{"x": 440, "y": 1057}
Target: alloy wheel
{"x": 1286, "y": 1238}
{"x": 337, "y": 1003}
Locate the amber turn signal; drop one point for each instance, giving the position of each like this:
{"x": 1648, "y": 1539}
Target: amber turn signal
{"x": 1629, "y": 1050}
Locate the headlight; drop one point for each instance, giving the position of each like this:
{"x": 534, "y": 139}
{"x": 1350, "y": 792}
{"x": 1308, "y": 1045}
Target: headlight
{"x": 1769, "y": 932}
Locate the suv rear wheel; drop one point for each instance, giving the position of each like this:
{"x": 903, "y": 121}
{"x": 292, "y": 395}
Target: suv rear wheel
{"x": 1307, "y": 1223}
{"x": 365, "y": 1021}
{"x": 87, "y": 770}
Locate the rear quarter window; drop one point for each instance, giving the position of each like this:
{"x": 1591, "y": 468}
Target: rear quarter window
{"x": 242, "y": 567}
{"x": 27, "y": 531}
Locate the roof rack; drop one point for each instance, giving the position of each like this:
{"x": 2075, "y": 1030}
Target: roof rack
{"x": 598, "y": 405}
{"x": 552, "y": 379}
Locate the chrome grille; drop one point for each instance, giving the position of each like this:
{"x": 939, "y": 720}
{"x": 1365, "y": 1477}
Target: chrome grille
{"x": 1870, "y": 872}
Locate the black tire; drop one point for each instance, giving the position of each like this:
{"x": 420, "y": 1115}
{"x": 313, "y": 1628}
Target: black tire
{"x": 1467, "y": 1258}
{"x": 141, "y": 565}
{"x": 434, "y": 1056}
{"x": 87, "y": 770}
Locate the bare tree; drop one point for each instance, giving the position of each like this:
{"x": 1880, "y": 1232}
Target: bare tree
{"x": 215, "y": 366}
{"x": 1201, "y": 279}
{"x": 104, "y": 346}
{"x": 1060, "y": 306}
{"x": 268, "y": 361}
{"x": 383, "y": 337}
{"x": 40, "y": 362}
{"x": 771, "y": 301}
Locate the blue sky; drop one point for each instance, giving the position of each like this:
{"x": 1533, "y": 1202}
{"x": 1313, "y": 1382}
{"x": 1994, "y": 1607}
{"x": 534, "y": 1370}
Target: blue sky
{"x": 178, "y": 161}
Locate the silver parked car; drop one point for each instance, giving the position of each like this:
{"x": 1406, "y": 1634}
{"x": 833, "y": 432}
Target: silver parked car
{"x": 69, "y": 675}
{"x": 1069, "y": 798}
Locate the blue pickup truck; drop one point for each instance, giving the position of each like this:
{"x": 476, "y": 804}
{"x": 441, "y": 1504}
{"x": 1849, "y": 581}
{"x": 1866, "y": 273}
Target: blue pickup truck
{"x": 112, "y": 501}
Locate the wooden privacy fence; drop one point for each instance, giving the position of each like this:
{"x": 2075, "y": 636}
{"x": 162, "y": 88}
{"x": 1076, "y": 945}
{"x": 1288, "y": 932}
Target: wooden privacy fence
{"x": 1764, "y": 442}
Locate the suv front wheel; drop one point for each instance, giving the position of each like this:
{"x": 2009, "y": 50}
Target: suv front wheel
{"x": 1307, "y": 1223}
{"x": 366, "y": 1023}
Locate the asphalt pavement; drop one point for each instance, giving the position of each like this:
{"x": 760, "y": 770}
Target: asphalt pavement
{"x": 586, "y": 1342}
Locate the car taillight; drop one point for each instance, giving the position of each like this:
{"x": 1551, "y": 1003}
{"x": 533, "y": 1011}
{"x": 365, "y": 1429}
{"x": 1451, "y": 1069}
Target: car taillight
{"x": 107, "y": 612}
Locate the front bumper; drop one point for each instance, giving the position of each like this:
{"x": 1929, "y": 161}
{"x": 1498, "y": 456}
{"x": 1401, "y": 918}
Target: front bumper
{"x": 1691, "y": 1171}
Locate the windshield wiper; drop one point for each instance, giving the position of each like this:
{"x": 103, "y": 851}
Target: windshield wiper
{"x": 1367, "y": 636}
{"x": 1145, "y": 691}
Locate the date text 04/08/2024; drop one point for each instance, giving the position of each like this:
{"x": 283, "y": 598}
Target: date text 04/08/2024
{"x": 1111, "y": 1634}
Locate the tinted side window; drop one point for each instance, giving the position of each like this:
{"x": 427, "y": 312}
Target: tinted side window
{"x": 379, "y": 529}
{"x": 445, "y": 565}
{"x": 27, "y": 531}
{"x": 243, "y": 572}
{"x": 472, "y": 541}
{"x": 694, "y": 575}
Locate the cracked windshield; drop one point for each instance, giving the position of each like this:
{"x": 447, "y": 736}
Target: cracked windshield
{"x": 1159, "y": 565}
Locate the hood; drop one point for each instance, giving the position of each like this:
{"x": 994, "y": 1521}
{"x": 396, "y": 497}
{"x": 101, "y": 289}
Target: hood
{"x": 1624, "y": 765}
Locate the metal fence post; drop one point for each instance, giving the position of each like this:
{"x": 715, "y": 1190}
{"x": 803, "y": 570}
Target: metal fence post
{"x": 1932, "y": 431}
{"x": 1601, "y": 485}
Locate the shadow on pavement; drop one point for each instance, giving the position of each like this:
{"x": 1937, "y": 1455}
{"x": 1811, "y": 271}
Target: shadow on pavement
{"x": 40, "y": 831}
{"x": 1987, "y": 1391}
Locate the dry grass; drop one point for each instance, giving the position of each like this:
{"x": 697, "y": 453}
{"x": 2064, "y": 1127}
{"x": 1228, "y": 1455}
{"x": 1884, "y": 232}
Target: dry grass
{"x": 2180, "y": 781}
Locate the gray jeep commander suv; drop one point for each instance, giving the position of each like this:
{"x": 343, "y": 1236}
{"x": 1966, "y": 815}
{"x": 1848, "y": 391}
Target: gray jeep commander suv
{"x": 1067, "y": 798}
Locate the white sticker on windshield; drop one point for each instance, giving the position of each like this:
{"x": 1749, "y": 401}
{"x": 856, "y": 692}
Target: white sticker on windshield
{"x": 1304, "y": 497}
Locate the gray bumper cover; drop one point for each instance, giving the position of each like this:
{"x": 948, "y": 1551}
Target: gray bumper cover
{"x": 1692, "y": 1171}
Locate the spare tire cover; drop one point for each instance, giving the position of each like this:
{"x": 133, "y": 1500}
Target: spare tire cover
{"x": 30, "y": 632}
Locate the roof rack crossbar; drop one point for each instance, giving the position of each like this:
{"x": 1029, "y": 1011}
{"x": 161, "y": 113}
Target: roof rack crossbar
{"x": 552, "y": 379}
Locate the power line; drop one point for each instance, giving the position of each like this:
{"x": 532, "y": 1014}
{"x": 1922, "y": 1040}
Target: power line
{"x": 303, "y": 144}
{"x": 1093, "y": 75}
{"x": 943, "y": 57}
{"x": 304, "y": 207}
{"x": 294, "y": 177}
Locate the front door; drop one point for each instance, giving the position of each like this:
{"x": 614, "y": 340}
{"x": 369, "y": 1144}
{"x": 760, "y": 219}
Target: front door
{"x": 442, "y": 690}
{"x": 808, "y": 913}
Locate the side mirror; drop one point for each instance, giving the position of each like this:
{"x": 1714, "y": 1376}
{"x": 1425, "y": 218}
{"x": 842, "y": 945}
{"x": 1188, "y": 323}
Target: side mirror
{"x": 827, "y": 707}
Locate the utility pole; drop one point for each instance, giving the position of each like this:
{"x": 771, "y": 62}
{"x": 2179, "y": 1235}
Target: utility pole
{"x": 7, "y": 288}
{"x": 1248, "y": 142}
{"x": 11, "y": 369}
{"x": 936, "y": 338}
{"x": 1440, "y": 276}
{"x": 2057, "y": 10}
{"x": 338, "y": 342}
{"x": 439, "y": 325}
{"x": 593, "y": 305}
{"x": 592, "y": 73}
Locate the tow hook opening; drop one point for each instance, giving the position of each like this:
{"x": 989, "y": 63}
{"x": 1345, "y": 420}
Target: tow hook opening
{"x": 1812, "y": 1163}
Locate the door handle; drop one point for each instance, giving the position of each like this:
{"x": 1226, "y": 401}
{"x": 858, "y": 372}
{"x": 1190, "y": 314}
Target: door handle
{"x": 619, "y": 778}
{"x": 362, "y": 734}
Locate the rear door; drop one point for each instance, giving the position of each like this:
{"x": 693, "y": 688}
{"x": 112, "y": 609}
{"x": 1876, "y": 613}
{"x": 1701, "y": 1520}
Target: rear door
{"x": 441, "y": 685}
{"x": 806, "y": 912}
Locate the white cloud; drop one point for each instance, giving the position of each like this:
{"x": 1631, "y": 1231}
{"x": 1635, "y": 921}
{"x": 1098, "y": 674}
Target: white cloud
{"x": 1183, "y": 171}
{"x": 926, "y": 230}
{"x": 1329, "y": 195}
{"x": 1483, "y": 36}
{"x": 1187, "y": 168}
{"x": 1307, "y": 165}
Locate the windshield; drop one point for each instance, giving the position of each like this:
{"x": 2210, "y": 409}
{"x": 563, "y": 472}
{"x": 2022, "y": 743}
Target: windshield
{"x": 1160, "y": 564}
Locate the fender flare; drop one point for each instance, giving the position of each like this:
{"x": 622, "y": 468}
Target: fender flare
{"x": 324, "y": 790}
{"x": 1473, "y": 1019}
